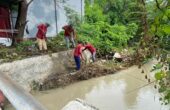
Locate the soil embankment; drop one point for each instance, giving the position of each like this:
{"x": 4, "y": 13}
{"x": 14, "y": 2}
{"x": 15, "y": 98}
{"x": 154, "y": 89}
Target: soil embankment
{"x": 93, "y": 70}
{"x": 56, "y": 70}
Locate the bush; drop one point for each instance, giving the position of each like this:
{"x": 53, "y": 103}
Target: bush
{"x": 57, "y": 43}
{"x": 105, "y": 37}
{"x": 25, "y": 46}
{"x": 94, "y": 14}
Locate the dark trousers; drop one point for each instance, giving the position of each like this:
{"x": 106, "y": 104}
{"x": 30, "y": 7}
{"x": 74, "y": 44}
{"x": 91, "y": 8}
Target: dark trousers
{"x": 78, "y": 62}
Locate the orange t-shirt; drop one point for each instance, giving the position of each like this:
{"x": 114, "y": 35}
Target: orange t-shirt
{"x": 78, "y": 50}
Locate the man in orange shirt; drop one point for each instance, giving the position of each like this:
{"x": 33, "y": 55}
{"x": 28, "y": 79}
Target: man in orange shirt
{"x": 41, "y": 36}
{"x": 91, "y": 48}
{"x": 78, "y": 55}
{"x": 69, "y": 34}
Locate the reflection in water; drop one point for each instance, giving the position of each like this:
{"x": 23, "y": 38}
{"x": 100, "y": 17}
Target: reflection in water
{"x": 125, "y": 90}
{"x": 148, "y": 99}
{"x": 108, "y": 96}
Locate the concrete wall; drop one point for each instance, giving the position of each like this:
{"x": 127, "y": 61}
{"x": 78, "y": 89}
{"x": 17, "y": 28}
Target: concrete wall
{"x": 38, "y": 68}
{"x": 79, "y": 104}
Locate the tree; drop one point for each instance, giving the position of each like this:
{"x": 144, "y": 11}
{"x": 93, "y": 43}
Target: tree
{"x": 155, "y": 43}
{"x": 94, "y": 14}
{"x": 160, "y": 30}
{"x": 118, "y": 12}
{"x": 22, "y": 16}
{"x": 72, "y": 16}
{"x": 144, "y": 22}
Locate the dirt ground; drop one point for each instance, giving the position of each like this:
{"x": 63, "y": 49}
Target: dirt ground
{"x": 93, "y": 70}
{"x": 97, "y": 69}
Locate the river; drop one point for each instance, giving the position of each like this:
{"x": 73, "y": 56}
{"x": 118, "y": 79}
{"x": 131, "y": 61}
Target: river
{"x": 124, "y": 90}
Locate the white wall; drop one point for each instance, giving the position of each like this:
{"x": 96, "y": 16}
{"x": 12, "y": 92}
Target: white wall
{"x": 41, "y": 11}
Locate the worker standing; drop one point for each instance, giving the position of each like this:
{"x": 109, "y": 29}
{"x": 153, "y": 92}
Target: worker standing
{"x": 41, "y": 36}
{"x": 70, "y": 35}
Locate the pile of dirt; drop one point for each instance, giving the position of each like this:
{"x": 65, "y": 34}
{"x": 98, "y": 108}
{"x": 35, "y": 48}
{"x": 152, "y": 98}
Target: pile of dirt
{"x": 93, "y": 70}
{"x": 54, "y": 81}
{"x": 63, "y": 79}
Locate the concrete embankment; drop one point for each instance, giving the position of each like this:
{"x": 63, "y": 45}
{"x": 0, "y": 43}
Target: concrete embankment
{"x": 39, "y": 68}
{"x": 24, "y": 72}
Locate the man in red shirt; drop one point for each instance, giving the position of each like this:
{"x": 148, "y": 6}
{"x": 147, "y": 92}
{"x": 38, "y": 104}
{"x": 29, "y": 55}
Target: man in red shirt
{"x": 78, "y": 55}
{"x": 41, "y": 36}
{"x": 2, "y": 100}
{"x": 91, "y": 49}
{"x": 69, "y": 34}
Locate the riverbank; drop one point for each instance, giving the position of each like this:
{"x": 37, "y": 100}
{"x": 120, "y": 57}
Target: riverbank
{"x": 127, "y": 89}
{"x": 33, "y": 75}
{"x": 93, "y": 70}
{"x": 53, "y": 70}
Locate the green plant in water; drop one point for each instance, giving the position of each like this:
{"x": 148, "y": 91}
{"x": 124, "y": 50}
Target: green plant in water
{"x": 163, "y": 79}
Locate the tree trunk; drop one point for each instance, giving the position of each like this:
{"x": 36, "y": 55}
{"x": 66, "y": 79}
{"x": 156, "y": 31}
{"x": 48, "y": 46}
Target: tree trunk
{"x": 144, "y": 20}
{"x": 21, "y": 18}
{"x": 145, "y": 38}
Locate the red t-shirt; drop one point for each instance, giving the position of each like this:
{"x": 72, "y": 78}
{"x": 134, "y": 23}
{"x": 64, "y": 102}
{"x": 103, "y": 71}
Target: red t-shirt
{"x": 2, "y": 98}
{"x": 78, "y": 50}
{"x": 67, "y": 31}
{"x": 90, "y": 48}
{"x": 42, "y": 29}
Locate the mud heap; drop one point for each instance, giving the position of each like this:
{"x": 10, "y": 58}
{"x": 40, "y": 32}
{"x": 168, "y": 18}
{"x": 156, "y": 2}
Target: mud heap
{"x": 87, "y": 72}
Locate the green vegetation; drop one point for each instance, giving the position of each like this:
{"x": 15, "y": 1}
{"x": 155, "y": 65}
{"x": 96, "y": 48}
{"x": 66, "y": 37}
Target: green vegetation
{"x": 163, "y": 79}
{"x": 98, "y": 30}
{"x": 161, "y": 29}
{"x": 115, "y": 24}
{"x": 106, "y": 37}
{"x": 110, "y": 24}
{"x": 57, "y": 43}
{"x": 158, "y": 41}
{"x": 25, "y": 46}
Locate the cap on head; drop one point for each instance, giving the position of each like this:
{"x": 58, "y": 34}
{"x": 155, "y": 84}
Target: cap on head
{"x": 47, "y": 24}
{"x": 71, "y": 25}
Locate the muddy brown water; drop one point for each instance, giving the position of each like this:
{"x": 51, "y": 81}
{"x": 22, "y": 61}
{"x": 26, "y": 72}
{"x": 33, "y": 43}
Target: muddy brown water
{"x": 125, "y": 90}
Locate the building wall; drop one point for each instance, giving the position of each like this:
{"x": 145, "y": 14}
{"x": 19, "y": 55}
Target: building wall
{"x": 41, "y": 11}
